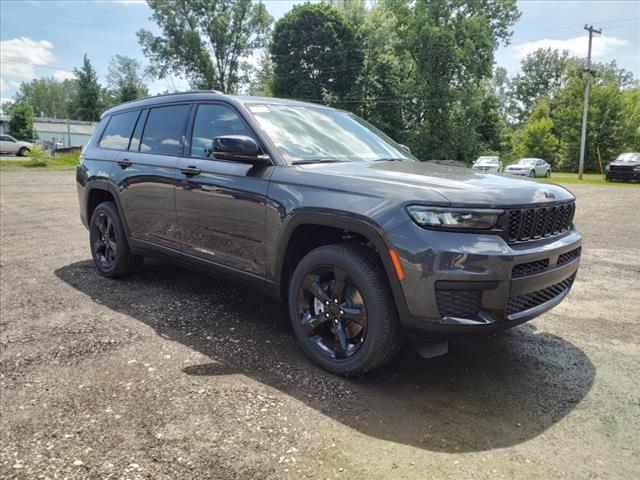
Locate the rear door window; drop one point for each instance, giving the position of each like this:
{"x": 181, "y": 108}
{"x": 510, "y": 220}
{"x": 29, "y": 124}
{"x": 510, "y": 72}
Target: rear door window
{"x": 116, "y": 135}
{"x": 164, "y": 129}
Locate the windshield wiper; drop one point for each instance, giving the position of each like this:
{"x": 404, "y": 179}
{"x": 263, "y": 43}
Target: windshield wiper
{"x": 317, "y": 160}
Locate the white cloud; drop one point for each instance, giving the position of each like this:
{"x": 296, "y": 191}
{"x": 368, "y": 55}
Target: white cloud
{"x": 62, "y": 75}
{"x": 18, "y": 56}
{"x": 578, "y": 46}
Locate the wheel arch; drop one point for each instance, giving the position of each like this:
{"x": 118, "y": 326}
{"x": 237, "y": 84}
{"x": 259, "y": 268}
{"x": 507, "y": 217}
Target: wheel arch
{"x": 102, "y": 191}
{"x": 289, "y": 254}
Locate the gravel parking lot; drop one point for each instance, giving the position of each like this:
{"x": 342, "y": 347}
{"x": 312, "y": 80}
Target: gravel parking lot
{"x": 172, "y": 374}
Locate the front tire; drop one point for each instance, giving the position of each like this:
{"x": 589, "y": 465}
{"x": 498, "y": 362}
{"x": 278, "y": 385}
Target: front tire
{"x": 23, "y": 152}
{"x": 342, "y": 311}
{"x": 108, "y": 240}
{"x": 532, "y": 174}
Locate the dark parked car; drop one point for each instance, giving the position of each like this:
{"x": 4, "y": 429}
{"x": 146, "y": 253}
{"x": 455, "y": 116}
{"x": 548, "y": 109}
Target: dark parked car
{"x": 314, "y": 206}
{"x": 625, "y": 167}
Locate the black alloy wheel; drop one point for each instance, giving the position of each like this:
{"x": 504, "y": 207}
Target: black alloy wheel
{"x": 332, "y": 312}
{"x": 105, "y": 246}
{"x": 342, "y": 311}
{"x": 108, "y": 241}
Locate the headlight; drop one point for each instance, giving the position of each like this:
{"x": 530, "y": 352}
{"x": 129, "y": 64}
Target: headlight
{"x": 454, "y": 218}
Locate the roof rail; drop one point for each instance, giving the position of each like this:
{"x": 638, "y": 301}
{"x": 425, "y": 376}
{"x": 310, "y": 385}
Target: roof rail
{"x": 218, "y": 92}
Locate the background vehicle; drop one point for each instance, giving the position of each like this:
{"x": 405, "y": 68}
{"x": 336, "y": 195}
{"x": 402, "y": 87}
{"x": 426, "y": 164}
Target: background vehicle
{"x": 487, "y": 164}
{"x": 625, "y": 167}
{"x": 314, "y": 206}
{"x": 529, "y": 167}
{"x": 8, "y": 144}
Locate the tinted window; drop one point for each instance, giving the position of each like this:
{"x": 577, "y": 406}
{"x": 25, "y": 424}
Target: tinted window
{"x": 137, "y": 133}
{"x": 213, "y": 121}
{"x": 163, "y": 130}
{"x": 118, "y": 131}
{"x": 4, "y": 138}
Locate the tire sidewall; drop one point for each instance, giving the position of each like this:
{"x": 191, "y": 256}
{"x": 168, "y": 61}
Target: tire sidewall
{"x": 109, "y": 209}
{"x": 326, "y": 256}
{"x": 23, "y": 151}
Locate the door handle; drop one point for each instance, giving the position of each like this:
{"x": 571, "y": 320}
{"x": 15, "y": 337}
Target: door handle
{"x": 125, "y": 163}
{"x": 190, "y": 170}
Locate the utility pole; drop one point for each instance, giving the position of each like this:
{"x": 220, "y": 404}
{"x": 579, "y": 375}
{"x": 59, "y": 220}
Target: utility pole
{"x": 587, "y": 81}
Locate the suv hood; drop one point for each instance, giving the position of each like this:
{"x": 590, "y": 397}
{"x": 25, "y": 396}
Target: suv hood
{"x": 419, "y": 181}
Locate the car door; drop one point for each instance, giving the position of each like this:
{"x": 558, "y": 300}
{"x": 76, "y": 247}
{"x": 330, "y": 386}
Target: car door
{"x": 146, "y": 176}
{"x": 540, "y": 168}
{"x": 221, "y": 204}
{"x": 8, "y": 144}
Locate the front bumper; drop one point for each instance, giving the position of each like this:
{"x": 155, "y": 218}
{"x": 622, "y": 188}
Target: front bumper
{"x": 459, "y": 284}
{"x": 625, "y": 175}
{"x": 520, "y": 173}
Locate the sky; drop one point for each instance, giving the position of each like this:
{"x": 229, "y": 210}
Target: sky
{"x": 49, "y": 37}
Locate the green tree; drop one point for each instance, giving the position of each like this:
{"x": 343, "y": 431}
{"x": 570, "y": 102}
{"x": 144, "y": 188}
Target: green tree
{"x": 451, "y": 45}
{"x": 537, "y": 139}
{"x": 382, "y": 87}
{"x": 543, "y": 71}
{"x": 87, "y": 104}
{"x": 207, "y": 41}
{"x": 125, "y": 79}
{"x": 262, "y": 77}
{"x": 605, "y": 124}
{"x": 315, "y": 54}
{"x": 47, "y": 96}
{"x": 631, "y": 119}
{"x": 21, "y": 123}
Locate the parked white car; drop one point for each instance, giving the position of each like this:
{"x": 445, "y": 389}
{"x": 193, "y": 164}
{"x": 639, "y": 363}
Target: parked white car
{"x": 8, "y": 144}
{"x": 529, "y": 167}
{"x": 487, "y": 164}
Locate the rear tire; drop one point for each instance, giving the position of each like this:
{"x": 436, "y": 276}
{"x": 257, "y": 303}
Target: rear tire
{"x": 108, "y": 241}
{"x": 369, "y": 334}
{"x": 548, "y": 174}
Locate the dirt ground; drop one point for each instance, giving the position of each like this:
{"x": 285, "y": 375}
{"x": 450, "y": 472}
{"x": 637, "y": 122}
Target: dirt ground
{"x": 171, "y": 374}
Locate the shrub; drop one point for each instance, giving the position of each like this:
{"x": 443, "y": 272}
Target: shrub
{"x": 38, "y": 157}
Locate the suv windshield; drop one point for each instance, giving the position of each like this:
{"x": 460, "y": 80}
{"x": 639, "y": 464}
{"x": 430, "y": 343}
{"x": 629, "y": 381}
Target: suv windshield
{"x": 628, "y": 157}
{"x": 487, "y": 160}
{"x": 316, "y": 134}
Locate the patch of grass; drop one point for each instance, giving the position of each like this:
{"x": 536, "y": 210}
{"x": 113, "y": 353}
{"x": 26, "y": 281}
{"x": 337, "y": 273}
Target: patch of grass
{"x": 67, "y": 161}
{"x": 588, "y": 179}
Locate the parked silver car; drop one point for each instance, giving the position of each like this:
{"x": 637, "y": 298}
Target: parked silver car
{"x": 8, "y": 144}
{"x": 529, "y": 167}
{"x": 487, "y": 164}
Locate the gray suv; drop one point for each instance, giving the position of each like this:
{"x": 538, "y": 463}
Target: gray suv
{"x": 316, "y": 207}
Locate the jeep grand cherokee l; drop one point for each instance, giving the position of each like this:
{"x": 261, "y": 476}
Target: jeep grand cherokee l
{"x": 314, "y": 206}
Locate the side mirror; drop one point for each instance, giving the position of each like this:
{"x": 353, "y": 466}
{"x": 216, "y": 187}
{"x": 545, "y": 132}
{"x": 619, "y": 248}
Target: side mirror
{"x": 238, "y": 148}
{"x": 405, "y": 148}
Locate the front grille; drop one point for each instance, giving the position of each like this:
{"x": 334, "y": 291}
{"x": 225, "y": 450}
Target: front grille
{"x": 459, "y": 303}
{"x": 530, "y": 268}
{"x": 621, "y": 168}
{"x": 569, "y": 256}
{"x": 532, "y": 223}
{"x": 531, "y": 300}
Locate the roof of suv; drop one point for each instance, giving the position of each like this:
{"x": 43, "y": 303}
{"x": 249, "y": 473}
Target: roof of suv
{"x": 206, "y": 95}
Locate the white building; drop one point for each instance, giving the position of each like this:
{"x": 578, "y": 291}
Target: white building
{"x": 70, "y": 133}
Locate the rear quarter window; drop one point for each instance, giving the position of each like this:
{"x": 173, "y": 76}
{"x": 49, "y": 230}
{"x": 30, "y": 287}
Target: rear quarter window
{"x": 118, "y": 132}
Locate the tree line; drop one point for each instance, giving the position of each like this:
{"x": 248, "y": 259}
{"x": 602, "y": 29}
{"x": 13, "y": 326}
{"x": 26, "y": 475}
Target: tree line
{"x": 421, "y": 71}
